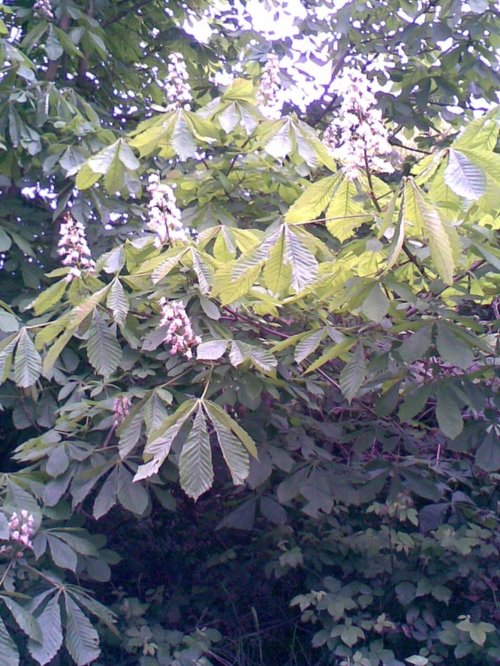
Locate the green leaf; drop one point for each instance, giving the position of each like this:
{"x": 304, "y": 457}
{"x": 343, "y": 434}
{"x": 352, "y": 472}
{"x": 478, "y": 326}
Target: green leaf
{"x": 235, "y": 455}
{"x": 463, "y": 177}
{"x": 27, "y": 361}
{"x": 8, "y": 649}
{"x": 345, "y": 214}
{"x": 106, "y": 497}
{"x": 132, "y": 496}
{"x": 103, "y": 348}
{"x": 452, "y": 348}
{"x": 312, "y": 201}
{"x": 426, "y": 218}
{"x": 117, "y": 302}
{"x": 211, "y": 350}
{"x": 376, "y": 304}
{"x": 217, "y": 412}
{"x": 49, "y": 297}
{"x": 24, "y": 619}
{"x": 5, "y": 241}
{"x": 277, "y": 272}
{"x": 82, "y": 311}
{"x": 161, "y": 440}
{"x": 308, "y": 344}
{"x": 82, "y": 640}
{"x": 334, "y": 352}
{"x": 302, "y": 262}
{"x": 55, "y": 351}
{"x": 488, "y": 454}
{"x": 52, "y": 637}
{"x": 195, "y": 463}
{"x": 415, "y": 346}
{"x": 129, "y": 431}
{"x": 353, "y": 374}
{"x": 63, "y": 556}
{"x": 448, "y": 413}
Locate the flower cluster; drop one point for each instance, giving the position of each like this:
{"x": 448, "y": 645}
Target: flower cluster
{"x": 164, "y": 216}
{"x": 43, "y": 8}
{"x": 21, "y": 529}
{"x": 357, "y": 137}
{"x": 73, "y": 247}
{"x": 270, "y": 86}
{"x": 179, "y": 334}
{"x": 121, "y": 409}
{"x": 177, "y": 90}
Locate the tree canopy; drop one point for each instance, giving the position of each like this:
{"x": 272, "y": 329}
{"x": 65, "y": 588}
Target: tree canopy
{"x": 248, "y": 333}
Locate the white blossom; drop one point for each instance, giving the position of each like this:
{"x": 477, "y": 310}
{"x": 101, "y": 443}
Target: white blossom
{"x": 177, "y": 89}
{"x": 121, "y": 409}
{"x": 21, "y": 530}
{"x": 179, "y": 335}
{"x": 270, "y": 86}
{"x": 73, "y": 247}
{"x": 43, "y": 8}
{"x": 357, "y": 137}
{"x": 164, "y": 216}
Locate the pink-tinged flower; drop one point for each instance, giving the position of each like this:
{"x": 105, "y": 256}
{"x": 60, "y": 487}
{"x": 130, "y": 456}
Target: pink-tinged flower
{"x": 21, "y": 529}
{"x": 177, "y": 89}
{"x": 121, "y": 409}
{"x": 179, "y": 335}
{"x": 270, "y": 85}
{"x": 357, "y": 137}
{"x": 73, "y": 247}
{"x": 43, "y": 8}
{"x": 164, "y": 216}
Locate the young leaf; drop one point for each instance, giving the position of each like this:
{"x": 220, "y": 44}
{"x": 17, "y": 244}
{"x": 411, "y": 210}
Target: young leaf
{"x": 420, "y": 213}
{"x": 195, "y": 463}
{"x": 49, "y": 297}
{"x": 353, "y": 374}
{"x": 82, "y": 640}
{"x": 27, "y": 361}
{"x": 463, "y": 177}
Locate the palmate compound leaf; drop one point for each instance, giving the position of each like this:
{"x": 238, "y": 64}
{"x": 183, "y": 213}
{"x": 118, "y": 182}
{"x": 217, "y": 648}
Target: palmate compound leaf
{"x": 103, "y": 348}
{"x": 27, "y": 361}
{"x": 235, "y": 454}
{"x": 81, "y": 639}
{"x": 52, "y": 636}
{"x": 195, "y": 463}
{"x": 353, "y": 374}
{"x": 161, "y": 440}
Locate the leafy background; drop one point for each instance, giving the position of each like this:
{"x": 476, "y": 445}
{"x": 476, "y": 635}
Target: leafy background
{"x": 337, "y": 425}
